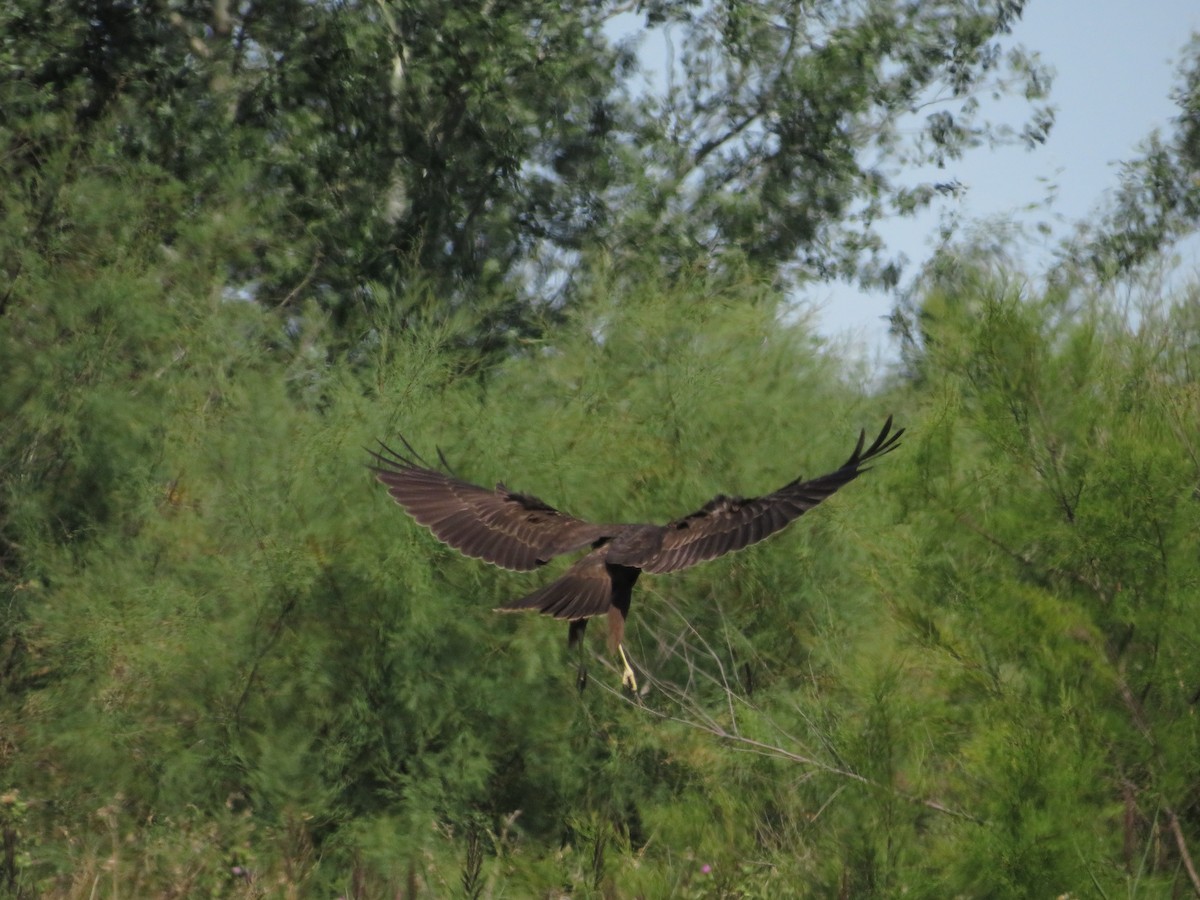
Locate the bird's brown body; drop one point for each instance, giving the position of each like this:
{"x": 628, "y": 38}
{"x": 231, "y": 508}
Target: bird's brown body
{"x": 520, "y": 532}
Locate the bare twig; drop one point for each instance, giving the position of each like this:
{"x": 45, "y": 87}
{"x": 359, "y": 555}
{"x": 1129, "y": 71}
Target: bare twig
{"x": 693, "y": 715}
{"x": 1181, "y": 846}
{"x": 303, "y": 283}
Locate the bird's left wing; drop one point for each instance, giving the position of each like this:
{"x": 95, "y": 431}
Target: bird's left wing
{"x": 725, "y": 524}
{"x": 511, "y": 530}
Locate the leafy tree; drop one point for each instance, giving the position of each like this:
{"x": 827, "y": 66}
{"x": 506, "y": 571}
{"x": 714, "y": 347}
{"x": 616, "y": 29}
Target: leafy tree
{"x": 1157, "y": 203}
{"x": 1056, "y": 477}
{"x": 783, "y": 127}
{"x": 395, "y": 143}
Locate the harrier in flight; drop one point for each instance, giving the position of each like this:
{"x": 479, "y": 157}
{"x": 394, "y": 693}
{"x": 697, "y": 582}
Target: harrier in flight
{"x": 520, "y": 532}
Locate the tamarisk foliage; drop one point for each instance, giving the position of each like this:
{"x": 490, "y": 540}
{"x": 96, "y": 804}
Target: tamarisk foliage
{"x": 241, "y": 243}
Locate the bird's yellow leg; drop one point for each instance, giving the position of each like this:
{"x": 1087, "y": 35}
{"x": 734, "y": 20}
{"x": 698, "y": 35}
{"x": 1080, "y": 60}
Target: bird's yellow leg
{"x": 628, "y": 679}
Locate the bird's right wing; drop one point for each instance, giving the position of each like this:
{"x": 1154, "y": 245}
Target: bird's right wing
{"x": 511, "y": 530}
{"x": 725, "y": 524}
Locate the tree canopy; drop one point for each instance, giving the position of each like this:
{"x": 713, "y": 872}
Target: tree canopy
{"x": 485, "y": 150}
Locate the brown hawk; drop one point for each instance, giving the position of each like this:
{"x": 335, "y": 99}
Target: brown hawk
{"x": 520, "y": 532}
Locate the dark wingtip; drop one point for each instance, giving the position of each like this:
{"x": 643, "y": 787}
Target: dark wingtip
{"x": 442, "y": 460}
{"x": 862, "y": 439}
{"x": 885, "y": 443}
{"x": 411, "y": 451}
{"x": 390, "y": 460}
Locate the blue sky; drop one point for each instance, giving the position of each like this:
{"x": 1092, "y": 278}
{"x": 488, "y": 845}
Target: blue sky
{"x": 1115, "y": 65}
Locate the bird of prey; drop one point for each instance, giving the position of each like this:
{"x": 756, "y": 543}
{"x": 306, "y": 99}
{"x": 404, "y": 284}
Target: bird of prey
{"x": 520, "y": 532}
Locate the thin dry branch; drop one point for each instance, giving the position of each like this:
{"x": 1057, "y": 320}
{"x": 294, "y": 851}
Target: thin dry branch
{"x": 692, "y": 714}
{"x": 1181, "y": 846}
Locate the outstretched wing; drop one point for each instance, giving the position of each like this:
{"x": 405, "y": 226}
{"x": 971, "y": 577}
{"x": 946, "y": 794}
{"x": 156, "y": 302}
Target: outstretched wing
{"x": 511, "y": 530}
{"x": 726, "y": 524}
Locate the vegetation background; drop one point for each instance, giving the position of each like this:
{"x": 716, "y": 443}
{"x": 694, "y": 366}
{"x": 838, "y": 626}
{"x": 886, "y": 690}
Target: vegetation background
{"x": 242, "y": 241}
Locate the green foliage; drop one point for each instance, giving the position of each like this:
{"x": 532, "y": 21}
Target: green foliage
{"x": 483, "y": 150}
{"x": 773, "y": 109}
{"x": 231, "y": 667}
{"x": 1059, "y": 477}
{"x": 1157, "y": 203}
{"x": 204, "y": 628}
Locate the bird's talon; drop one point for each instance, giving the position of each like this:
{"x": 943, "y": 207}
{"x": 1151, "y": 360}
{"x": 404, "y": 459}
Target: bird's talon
{"x": 628, "y": 679}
